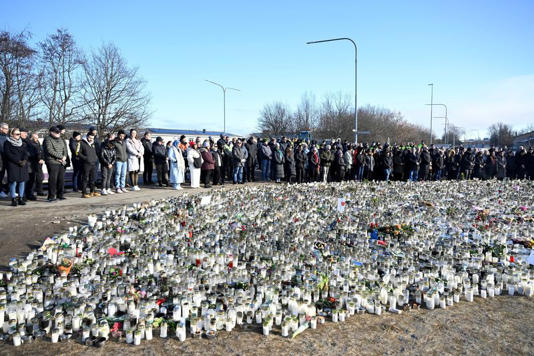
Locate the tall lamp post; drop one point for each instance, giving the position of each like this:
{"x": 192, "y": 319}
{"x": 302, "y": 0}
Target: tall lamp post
{"x": 224, "y": 89}
{"x": 445, "y": 117}
{"x": 431, "y": 106}
{"x": 355, "y": 79}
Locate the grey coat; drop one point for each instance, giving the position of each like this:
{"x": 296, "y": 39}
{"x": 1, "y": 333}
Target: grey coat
{"x": 240, "y": 155}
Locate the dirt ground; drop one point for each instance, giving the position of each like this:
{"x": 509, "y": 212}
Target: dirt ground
{"x": 503, "y": 325}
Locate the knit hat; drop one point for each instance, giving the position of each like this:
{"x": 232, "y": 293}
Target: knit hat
{"x": 54, "y": 129}
{"x": 159, "y": 139}
{"x": 75, "y": 133}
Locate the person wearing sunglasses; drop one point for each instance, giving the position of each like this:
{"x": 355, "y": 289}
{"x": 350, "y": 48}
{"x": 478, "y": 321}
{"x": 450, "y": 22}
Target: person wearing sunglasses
{"x": 16, "y": 154}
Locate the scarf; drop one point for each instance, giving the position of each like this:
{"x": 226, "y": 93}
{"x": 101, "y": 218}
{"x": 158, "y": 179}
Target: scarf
{"x": 16, "y": 143}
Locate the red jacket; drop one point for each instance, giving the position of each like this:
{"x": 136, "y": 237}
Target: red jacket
{"x": 209, "y": 162}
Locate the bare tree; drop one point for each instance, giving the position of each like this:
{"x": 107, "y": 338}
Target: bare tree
{"x": 16, "y": 77}
{"x": 336, "y": 118}
{"x": 453, "y": 135}
{"x": 501, "y": 134}
{"x": 306, "y": 116}
{"x": 114, "y": 94}
{"x": 275, "y": 119}
{"x": 61, "y": 64}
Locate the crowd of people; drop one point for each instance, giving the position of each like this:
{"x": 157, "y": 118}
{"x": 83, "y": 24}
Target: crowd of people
{"x": 122, "y": 157}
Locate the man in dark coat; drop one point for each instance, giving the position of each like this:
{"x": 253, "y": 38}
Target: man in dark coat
{"x": 217, "y": 165}
{"x": 387, "y": 163}
{"x": 438, "y": 163}
{"x": 160, "y": 159}
{"x": 467, "y": 164}
{"x": 300, "y": 163}
{"x": 412, "y": 163}
{"x": 16, "y": 164}
{"x": 398, "y": 164}
{"x": 88, "y": 158}
{"x": 479, "y": 169}
{"x": 340, "y": 164}
{"x": 148, "y": 158}
{"x": 521, "y": 162}
{"x": 424, "y": 165}
{"x": 252, "y": 147}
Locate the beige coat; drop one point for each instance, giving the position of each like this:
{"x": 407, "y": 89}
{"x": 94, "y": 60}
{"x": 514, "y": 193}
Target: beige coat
{"x": 134, "y": 147}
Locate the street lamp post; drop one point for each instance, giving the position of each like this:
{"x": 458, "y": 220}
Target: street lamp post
{"x": 224, "y": 89}
{"x": 446, "y": 117}
{"x": 355, "y": 79}
{"x": 431, "y": 106}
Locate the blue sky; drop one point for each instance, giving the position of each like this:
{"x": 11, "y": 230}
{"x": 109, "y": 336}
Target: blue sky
{"x": 478, "y": 54}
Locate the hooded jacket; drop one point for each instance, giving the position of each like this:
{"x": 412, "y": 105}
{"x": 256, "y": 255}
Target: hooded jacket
{"x": 87, "y": 152}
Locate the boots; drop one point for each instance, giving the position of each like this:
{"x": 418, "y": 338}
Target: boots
{"x": 21, "y": 201}
{"x": 14, "y": 202}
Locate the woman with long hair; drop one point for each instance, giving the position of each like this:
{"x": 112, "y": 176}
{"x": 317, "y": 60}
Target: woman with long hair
{"x": 135, "y": 150}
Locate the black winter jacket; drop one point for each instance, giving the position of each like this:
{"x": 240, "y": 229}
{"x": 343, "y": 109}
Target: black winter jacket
{"x": 87, "y": 152}
{"x": 159, "y": 152}
{"x": 16, "y": 162}
{"x": 108, "y": 155}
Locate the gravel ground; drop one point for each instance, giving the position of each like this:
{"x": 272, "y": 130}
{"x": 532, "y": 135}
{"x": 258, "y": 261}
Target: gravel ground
{"x": 503, "y": 325}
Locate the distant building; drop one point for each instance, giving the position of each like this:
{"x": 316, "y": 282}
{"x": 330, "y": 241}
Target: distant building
{"x": 477, "y": 143}
{"x": 174, "y": 134}
{"x": 526, "y": 140}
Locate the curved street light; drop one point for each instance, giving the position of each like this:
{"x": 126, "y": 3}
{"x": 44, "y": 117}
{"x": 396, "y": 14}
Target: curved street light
{"x": 355, "y": 79}
{"x": 224, "y": 89}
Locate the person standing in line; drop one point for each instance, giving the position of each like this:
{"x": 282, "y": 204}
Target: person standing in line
{"x": 148, "y": 158}
{"x": 195, "y": 163}
{"x": 121, "y": 163}
{"x": 160, "y": 159}
{"x": 300, "y": 163}
{"x": 176, "y": 165}
{"x": 217, "y": 165}
{"x": 425, "y": 164}
{"x": 314, "y": 164}
{"x": 4, "y": 129}
{"x": 501, "y": 163}
{"x": 55, "y": 157}
{"x": 88, "y": 159}
{"x": 290, "y": 164}
{"x": 252, "y": 148}
{"x": 266, "y": 158}
{"x": 108, "y": 158}
{"x": 387, "y": 163}
{"x": 240, "y": 155}
{"x": 208, "y": 165}
{"x": 348, "y": 157}
{"x": 135, "y": 150}
{"x": 34, "y": 186}
{"x": 326, "y": 159}
{"x": 278, "y": 160}
{"x": 16, "y": 162}
{"x": 74, "y": 145}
